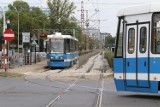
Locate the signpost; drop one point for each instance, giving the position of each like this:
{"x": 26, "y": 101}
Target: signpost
{"x": 8, "y": 35}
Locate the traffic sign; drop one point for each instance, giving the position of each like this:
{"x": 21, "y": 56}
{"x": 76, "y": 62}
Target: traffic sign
{"x": 34, "y": 43}
{"x": 8, "y": 35}
{"x": 34, "y": 37}
{"x": 26, "y": 37}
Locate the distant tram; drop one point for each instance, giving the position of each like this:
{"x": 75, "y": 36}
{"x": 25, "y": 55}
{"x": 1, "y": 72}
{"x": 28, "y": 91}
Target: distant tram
{"x": 137, "y": 51}
{"x": 63, "y": 50}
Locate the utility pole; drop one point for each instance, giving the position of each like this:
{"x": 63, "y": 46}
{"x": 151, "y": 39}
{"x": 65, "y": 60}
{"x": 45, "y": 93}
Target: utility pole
{"x": 82, "y": 21}
{"x": 87, "y": 25}
{"x": 82, "y": 15}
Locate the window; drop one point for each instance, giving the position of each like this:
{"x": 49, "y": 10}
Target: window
{"x": 131, "y": 40}
{"x": 57, "y": 45}
{"x": 143, "y": 40}
{"x": 72, "y": 45}
{"x": 119, "y": 40}
{"x": 156, "y": 34}
{"x": 67, "y": 45}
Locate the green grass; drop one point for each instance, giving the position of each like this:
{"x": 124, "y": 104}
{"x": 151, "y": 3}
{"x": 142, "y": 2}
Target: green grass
{"x": 109, "y": 56}
{"x": 9, "y": 74}
{"x": 84, "y": 52}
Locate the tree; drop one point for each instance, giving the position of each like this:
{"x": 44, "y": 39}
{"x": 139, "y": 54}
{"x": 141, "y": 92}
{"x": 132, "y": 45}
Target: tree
{"x": 60, "y": 13}
{"x": 29, "y": 18}
{"x": 109, "y": 41}
{"x": 61, "y": 17}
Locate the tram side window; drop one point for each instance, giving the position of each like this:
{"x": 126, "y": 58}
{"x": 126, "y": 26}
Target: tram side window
{"x": 156, "y": 34}
{"x": 131, "y": 40}
{"x": 67, "y": 45}
{"x": 143, "y": 39}
{"x": 72, "y": 45}
{"x": 119, "y": 41}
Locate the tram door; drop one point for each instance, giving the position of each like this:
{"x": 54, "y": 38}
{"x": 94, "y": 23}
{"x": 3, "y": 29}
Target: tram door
{"x": 142, "y": 56}
{"x": 136, "y": 74}
{"x": 131, "y": 55}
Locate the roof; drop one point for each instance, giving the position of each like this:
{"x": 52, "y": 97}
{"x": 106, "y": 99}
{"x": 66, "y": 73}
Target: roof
{"x": 59, "y": 35}
{"x": 140, "y": 9}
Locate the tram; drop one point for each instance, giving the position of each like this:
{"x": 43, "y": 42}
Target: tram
{"x": 63, "y": 50}
{"x": 137, "y": 51}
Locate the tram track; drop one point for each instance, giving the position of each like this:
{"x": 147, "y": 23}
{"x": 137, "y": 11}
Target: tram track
{"x": 101, "y": 83}
{"x": 100, "y": 90}
{"x": 90, "y": 68}
{"x": 71, "y": 85}
{"x": 45, "y": 69}
{"x": 51, "y": 103}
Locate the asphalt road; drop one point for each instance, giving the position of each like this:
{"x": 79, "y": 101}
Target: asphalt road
{"x": 19, "y": 92}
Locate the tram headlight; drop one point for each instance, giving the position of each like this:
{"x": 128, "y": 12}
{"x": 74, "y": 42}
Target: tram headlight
{"x": 61, "y": 57}
{"x": 51, "y": 58}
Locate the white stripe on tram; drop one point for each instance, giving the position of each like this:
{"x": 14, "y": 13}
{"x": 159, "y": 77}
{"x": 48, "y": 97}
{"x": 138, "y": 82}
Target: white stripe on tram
{"x": 141, "y": 76}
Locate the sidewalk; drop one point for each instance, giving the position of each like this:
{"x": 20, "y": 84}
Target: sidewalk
{"x": 37, "y": 70}
{"x": 29, "y": 68}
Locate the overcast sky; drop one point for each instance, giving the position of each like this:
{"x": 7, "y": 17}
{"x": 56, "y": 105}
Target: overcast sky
{"x": 107, "y": 11}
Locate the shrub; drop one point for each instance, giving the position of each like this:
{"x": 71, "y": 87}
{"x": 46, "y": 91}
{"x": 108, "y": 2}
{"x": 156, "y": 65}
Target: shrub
{"x": 109, "y": 56}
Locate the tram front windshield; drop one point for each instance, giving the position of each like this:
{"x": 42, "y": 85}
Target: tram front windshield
{"x": 57, "y": 46}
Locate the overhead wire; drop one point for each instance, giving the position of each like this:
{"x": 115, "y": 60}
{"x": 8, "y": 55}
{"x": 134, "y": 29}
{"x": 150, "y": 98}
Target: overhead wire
{"x": 104, "y": 3}
{"x": 96, "y": 10}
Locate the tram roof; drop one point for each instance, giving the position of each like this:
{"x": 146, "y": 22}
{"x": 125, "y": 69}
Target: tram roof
{"x": 139, "y": 9}
{"x": 59, "y": 35}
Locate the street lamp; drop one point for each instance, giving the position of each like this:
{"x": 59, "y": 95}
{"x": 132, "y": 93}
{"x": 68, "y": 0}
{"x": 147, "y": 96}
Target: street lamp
{"x": 4, "y": 21}
{"x": 18, "y": 28}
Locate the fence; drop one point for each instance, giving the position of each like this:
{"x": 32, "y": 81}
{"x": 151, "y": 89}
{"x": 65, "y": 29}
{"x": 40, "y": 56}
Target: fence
{"x": 18, "y": 59}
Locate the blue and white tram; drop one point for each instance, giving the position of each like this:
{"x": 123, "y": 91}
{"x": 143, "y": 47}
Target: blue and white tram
{"x": 137, "y": 52}
{"x": 63, "y": 50}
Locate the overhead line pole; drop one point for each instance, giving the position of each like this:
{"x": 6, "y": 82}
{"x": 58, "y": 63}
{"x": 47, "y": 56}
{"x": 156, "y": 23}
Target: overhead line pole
{"x": 87, "y": 25}
{"x": 82, "y": 15}
{"x": 82, "y": 20}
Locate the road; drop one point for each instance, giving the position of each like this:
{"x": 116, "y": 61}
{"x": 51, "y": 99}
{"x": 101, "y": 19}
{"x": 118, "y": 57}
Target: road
{"x": 87, "y": 86}
{"x": 18, "y": 92}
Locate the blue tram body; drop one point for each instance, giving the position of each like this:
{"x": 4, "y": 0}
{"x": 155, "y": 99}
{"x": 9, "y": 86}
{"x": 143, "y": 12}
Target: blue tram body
{"x": 137, "y": 51}
{"x": 63, "y": 50}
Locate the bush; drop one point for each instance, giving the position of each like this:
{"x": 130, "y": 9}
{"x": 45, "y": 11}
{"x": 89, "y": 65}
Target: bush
{"x": 109, "y": 56}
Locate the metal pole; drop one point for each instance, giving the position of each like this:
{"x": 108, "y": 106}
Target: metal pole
{"x": 4, "y": 23}
{"x": 35, "y": 54}
{"x": 18, "y": 31}
{"x": 18, "y": 28}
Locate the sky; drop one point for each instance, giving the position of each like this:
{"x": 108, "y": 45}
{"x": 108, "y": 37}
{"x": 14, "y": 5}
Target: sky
{"x": 106, "y": 15}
